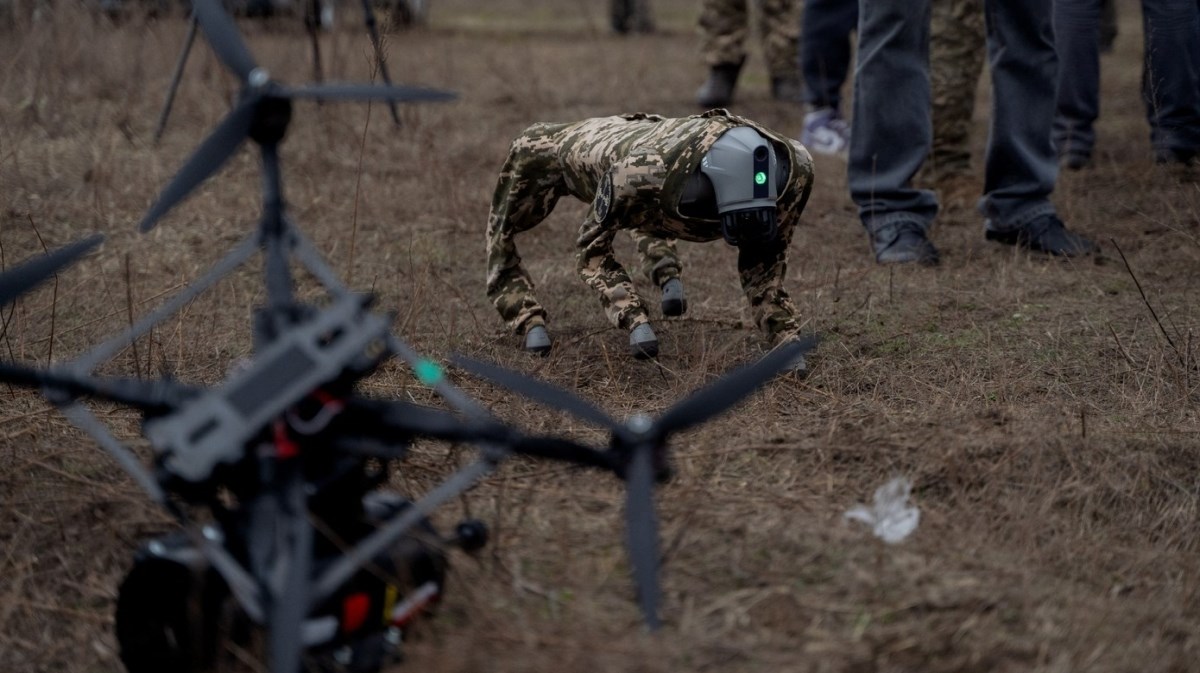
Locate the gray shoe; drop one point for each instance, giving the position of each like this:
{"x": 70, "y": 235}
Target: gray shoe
{"x": 643, "y": 344}
{"x": 537, "y": 341}
{"x": 674, "y": 302}
{"x": 717, "y": 90}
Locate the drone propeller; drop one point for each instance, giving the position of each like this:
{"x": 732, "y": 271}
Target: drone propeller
{"x": 730, "y": 389}
{"x": 159, "y": 396}
{"x": 263, "y": 110}
{"x": 343, "y": 91}
{"x": 222, "y": 34}
{"x": 16, "y": 282}
{"x": 641, "y": 441}
{"x": 700, "y": 406}
{"x": 207, "y": 159}
{"x": 549, "y": 395}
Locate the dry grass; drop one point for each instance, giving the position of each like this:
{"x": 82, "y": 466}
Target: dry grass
{"x": 1050, "y": 428}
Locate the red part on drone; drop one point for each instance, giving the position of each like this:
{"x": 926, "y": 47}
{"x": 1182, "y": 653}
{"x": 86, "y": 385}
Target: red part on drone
{"x": 284, "y": 446}
{"x": 354, "y": 611}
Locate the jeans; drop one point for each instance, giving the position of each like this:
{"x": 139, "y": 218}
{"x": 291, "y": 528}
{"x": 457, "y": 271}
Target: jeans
{"x": 891, "y": 131}
{"x": 825, "y": 49}
{"x": 1170, "y": 78}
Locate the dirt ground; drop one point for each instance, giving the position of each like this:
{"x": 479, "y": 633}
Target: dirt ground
{"x": 1045, "y": 410}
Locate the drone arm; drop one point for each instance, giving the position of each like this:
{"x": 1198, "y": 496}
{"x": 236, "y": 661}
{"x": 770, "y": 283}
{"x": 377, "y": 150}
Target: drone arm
{"x": 390, "y": 419}
{"x": 151, "y": 397}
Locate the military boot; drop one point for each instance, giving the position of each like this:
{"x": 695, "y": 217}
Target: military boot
{"x": 674, "y": 302}
{"x": 788, "y": 88}
{"x": 631, "y": 16}
{"x": 537, "y": 341}
{"x": 643, "y": 343}
{"x": 717, "y": 90}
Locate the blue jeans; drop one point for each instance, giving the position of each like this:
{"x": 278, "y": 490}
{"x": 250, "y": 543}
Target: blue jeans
{"x": 1170, "y": 76}
{"x": 891, "y": 130}
{"x": 825, "y": 49}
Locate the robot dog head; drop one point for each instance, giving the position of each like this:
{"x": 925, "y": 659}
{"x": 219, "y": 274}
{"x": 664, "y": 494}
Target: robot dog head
{"x": 744, "y": 172}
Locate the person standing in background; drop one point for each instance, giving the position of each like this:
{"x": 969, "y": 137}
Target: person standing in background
{"x": 956, "y": 49}
{"x": 825, "y": 63}
{"x": 1170, "y": 79}
{"x": 724, "y": 26}
{"x": 892, "y": 128}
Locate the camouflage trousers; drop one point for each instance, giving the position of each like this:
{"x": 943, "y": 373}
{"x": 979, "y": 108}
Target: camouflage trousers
{"x": 724, "y": 25}
{"x": 510, "y": 289}
{"x": 622, "y": 304}
{"x": 956, "y": 54}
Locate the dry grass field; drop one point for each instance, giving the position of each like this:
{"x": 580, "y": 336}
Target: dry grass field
{"x": 1047, "y": 418}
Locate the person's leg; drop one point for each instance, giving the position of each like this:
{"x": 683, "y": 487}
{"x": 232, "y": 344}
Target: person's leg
{"x": 825, "y": 61}
{"x": 825, "y": 50}
{"x": 779, "y": 25}
{"x": 956, "y": 54}
{"x": 1108, "y": 26}
{"x": 891, "y": 128}
{"x": 1170, "y": 78}
{"x": 1021, "y": 166}
{"x": 1077, "y": 39}
{"x": 723, "y": 26}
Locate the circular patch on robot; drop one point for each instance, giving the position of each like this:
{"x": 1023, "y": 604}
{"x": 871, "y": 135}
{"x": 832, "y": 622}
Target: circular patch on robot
{"x": 604, "y": 197}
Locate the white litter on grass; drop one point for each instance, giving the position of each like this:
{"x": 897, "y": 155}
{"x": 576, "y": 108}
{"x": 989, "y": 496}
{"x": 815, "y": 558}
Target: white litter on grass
{"x": 891, "y": 518}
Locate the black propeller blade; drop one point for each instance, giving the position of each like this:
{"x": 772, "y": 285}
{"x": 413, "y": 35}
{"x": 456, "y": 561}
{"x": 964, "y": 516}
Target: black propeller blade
{"x": 222, "y": 34}
{"x": 345, "y": 91}
{"x": 540, "y": 391}
{"x": 730, "y": 389}
{"x": 641, "y": 524}
{"x": 212, "y": 154}
{"x": 23, "y": 278}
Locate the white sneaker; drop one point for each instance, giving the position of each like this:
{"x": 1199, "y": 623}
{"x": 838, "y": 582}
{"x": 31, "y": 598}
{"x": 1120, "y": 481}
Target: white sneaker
{"x": 825, "y": 132}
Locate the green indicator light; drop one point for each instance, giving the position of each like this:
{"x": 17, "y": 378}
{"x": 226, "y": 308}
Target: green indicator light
{"x": 760, "y": 178}
{"x": 428, "y": 372}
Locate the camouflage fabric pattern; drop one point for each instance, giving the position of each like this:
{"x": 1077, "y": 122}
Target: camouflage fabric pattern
{"x": 632, "y": 169}
{"x": 724, "y": 25}
{"x": 957, "y": 47}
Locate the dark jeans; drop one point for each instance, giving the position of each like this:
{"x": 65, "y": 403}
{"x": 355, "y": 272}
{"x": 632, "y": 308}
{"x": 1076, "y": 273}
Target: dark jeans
{"x": 890, "y": 136}
{"x": 1170, "y": 77}
{"x": 825, "y": 49}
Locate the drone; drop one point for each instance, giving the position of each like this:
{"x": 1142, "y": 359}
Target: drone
{"x": 286, "y": 537}
{"x": 312, "y": 25}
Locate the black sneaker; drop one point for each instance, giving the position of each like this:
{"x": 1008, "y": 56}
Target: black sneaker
{"x": 1166, "y": 156}
{"x": 903, "y": 243}
{"x": 1045, "y": 234}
